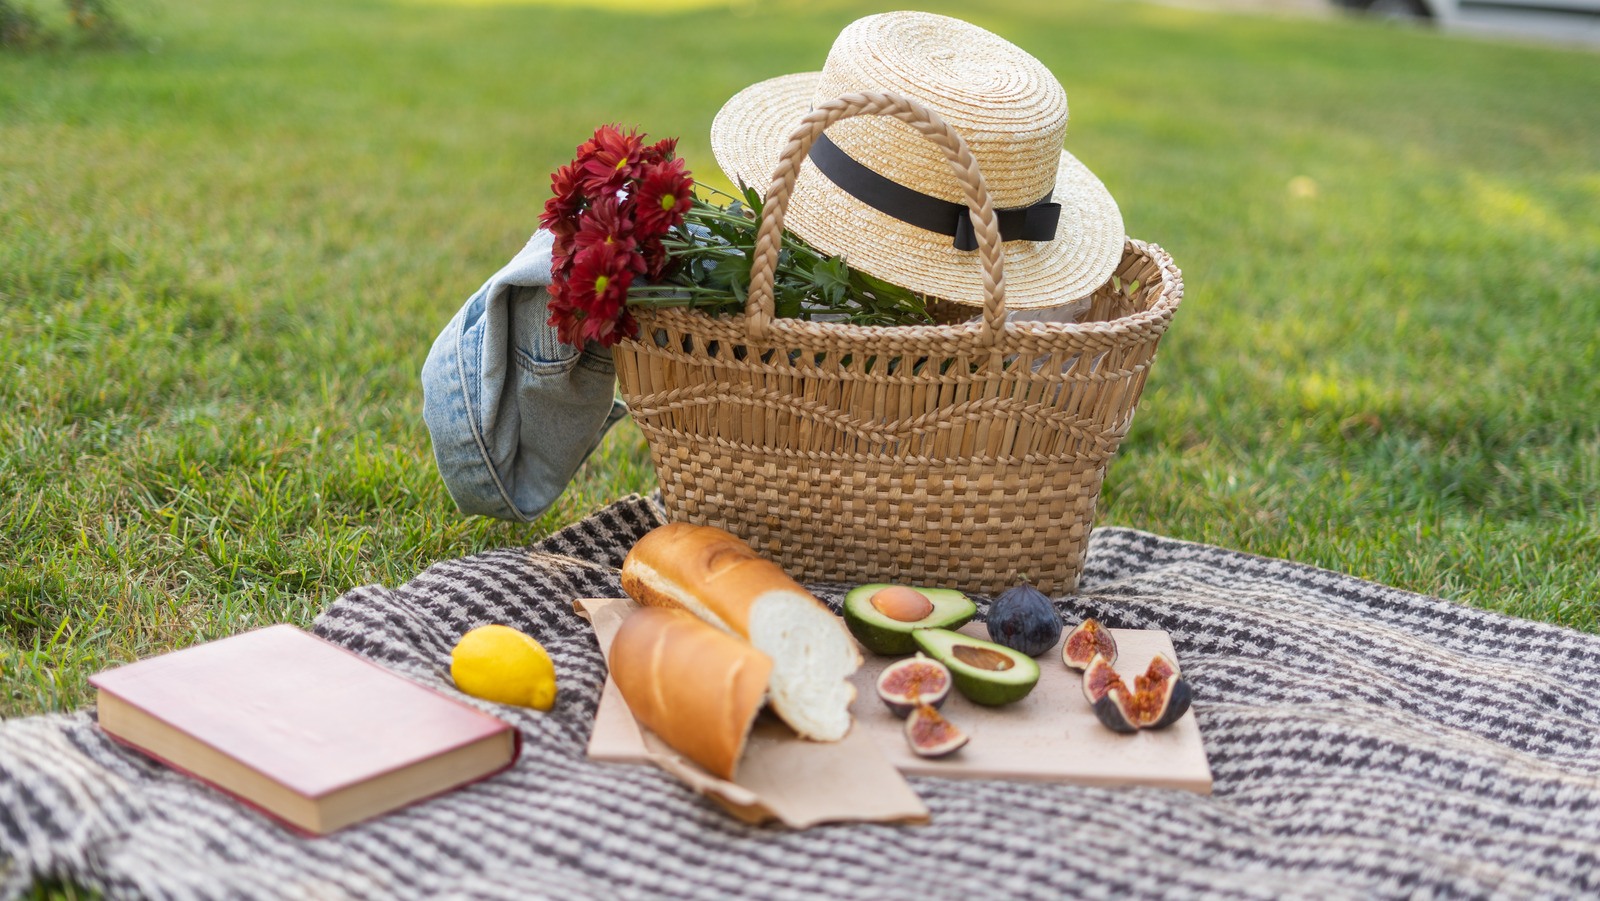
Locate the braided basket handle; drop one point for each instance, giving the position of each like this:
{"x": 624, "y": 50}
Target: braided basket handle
{"x": 759, "y": 307}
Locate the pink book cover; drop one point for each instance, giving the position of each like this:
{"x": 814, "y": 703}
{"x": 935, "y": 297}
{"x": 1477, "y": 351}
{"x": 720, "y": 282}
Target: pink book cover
{"x": 301, "y": 710}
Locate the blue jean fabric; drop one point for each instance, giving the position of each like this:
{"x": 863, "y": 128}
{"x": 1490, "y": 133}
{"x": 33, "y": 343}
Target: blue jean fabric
{"x": 512, "y": 411}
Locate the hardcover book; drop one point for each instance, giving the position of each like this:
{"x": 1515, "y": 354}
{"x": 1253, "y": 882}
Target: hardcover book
{"x": 300, "y": 728}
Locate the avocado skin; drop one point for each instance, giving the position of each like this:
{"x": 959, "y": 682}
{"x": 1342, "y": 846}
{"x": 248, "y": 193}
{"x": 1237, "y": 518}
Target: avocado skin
{"x": 892, "y": 641}
{"x": 989, "y": 690}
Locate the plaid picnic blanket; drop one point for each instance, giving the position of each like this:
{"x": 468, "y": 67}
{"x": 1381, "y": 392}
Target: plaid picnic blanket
{"x": 1365, "y": 742}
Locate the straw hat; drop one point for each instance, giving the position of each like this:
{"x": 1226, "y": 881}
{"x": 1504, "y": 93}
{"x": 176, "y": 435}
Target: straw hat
{"x": 1012, "y": 113}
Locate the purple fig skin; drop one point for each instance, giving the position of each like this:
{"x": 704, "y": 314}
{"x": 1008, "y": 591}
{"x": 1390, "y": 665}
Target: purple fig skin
{"x": 1024, "y": 620}
{"x": 1114, "y": 715}
{"x": 1177, "y": 705}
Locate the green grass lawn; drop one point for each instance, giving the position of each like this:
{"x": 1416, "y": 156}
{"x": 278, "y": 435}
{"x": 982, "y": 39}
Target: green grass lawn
{"x": 225, "y": 252}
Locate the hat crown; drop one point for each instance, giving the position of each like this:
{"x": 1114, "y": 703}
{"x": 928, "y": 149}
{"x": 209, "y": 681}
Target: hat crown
{"x": 1007, "y": 106}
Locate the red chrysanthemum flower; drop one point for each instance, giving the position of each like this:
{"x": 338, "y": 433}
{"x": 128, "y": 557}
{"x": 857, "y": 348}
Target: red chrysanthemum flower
{"x": 659, "y": 152}
{"x": 593, "y": 293}
{"x": 561, "y": 211}
{"x": 606, "y": 222}
{"x": 559, "y": 294}
{"x": 613, "y": 160}
{"x": 662, "y": 197}
{"x": 566, "y": 318}
{"x": 610, "y": 331}
{"x": 561, "y": 251}
{"x": 656, "y": 259}
{"x": 589, "y": 148}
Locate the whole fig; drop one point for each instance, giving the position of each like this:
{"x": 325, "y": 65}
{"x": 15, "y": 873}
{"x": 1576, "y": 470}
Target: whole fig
{"x": 1023, "y": 619}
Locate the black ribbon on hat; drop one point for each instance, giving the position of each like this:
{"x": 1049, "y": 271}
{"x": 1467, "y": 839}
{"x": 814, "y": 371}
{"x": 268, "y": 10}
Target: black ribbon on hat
{"x": 1035, "y": 222}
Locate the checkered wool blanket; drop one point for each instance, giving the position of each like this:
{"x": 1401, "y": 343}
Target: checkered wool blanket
{"x": 1365, "y": 742}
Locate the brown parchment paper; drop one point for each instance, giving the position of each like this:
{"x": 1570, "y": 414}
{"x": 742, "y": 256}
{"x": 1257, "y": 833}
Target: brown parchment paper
{"x": 781, "y": 776}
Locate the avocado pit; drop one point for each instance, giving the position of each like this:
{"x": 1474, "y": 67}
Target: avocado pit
{"x": 902, "y": 604}
{"x": 982, "y": 658}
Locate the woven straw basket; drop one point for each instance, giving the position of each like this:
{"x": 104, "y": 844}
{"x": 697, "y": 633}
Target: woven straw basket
{"x": 962, "y": 456}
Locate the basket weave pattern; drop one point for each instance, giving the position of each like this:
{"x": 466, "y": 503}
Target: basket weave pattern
{"x": 959, "y": 456}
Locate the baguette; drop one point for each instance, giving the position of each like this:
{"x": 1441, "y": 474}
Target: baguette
{"x": 717, "y": 577}
{"x": 697, "y": 688}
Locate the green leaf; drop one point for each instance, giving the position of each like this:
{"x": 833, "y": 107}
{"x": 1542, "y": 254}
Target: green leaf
{"x": 832, "y": 280}
{"x": 731, "y": 272}
{"x": 752, "y": 199}
{"x": 788, "y": 302}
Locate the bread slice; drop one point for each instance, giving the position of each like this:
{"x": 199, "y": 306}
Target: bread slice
{"x": 717, "y": 577}
{"x": 697, "y": 688}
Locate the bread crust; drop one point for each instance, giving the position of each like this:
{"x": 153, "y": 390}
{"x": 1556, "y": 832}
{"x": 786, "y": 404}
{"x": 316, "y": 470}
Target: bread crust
{"x": 695, "y": 686}
{"x": 643, "y": 589}
{"x": 683, "y": 565}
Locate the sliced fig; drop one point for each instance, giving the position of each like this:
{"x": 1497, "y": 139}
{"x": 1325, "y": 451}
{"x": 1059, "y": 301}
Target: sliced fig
{"x": 905, "y": 684}
{"x": 1116, "y": 709}
{"x": 1161, "y": 666}
{"x": 1157, "y": 700}
{"x": 1099, "y": 677}
{"x": 1089, "y": 639}
{"x": 1175, "y": 705}
{"x": 931, "y": 735}
{"x": 1161, "y": 696}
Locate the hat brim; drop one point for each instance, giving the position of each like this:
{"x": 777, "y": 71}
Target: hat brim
{"x": 750, "y": 131}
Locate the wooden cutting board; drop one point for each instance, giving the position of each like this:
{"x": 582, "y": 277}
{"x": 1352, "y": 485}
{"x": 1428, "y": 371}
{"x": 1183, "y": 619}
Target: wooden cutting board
{"x": 1052, "y": 735}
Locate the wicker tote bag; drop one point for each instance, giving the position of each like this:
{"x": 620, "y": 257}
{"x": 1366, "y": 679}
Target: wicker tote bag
{"x": 963, "y": 456}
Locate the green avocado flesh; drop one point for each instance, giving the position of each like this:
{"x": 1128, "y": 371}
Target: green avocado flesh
{"x": 882, "y": 635}
{"x": 986, "y": 673}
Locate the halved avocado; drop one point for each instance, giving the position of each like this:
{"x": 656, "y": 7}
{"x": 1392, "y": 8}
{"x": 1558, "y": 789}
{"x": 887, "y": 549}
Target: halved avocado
{"x": 987, "y": 673}
{"x": 883, "y": 635}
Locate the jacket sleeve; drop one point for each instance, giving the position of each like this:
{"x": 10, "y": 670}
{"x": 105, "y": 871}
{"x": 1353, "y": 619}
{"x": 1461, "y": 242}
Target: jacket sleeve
{"x": 512, "y": 411}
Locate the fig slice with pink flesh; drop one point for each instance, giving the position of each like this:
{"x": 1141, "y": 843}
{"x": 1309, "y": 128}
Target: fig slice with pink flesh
{"x": 931, "y": 735}
{"x": 1084, "y": 642}
{"x": 1099, "y": 677}
{"x": 905, "y": 684}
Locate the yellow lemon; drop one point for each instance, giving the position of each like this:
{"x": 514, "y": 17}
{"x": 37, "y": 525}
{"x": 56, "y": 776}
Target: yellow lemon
{"x": 500, "y": 664}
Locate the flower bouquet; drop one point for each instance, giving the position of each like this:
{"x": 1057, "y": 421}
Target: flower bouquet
{"x": 630, "y": 231}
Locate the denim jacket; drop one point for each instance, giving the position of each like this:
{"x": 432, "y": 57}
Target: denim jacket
{"x": 512, "y": 411}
